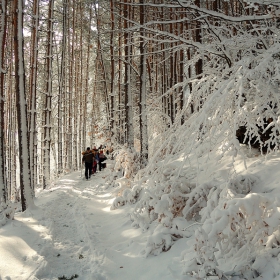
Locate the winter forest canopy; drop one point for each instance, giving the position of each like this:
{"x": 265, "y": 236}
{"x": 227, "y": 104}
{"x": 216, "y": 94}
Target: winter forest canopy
{"x": 154, "y": 79}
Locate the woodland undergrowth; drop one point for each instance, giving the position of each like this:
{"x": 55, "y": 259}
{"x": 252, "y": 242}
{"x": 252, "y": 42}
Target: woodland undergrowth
{"x": 228, "y": 220}
{"x": 175, "y": 197}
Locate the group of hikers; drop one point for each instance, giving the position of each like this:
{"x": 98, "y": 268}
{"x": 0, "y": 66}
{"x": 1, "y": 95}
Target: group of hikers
{"x": 93, "y": 159}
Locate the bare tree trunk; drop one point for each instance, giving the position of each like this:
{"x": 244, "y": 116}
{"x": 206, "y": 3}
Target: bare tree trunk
{"x": 120, "y": 74}
{"x": 171, "y": 73}
{"x": 48, "y": 100}
{"x": 102, "y": 63}
{"x": 75, "y": 105}
{"x": 112, "y": 101}
{"x": 11, "y": 120}
{"x": 62, "y": 89}
{"x": 81, "y": 89}
{"x": 181, "y": 72}
{"x": 86, "y": 94}
{"x": 3, "y": 26}
{"x": 127, "y": 82}
{"x": 142, "y": 97}
{"x": 24, "y": 160}
{"x": 33, "y": 93}
{"x": 198, "y": 38}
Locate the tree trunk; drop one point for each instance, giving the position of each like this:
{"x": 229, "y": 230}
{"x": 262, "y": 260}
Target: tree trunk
{"x": 33, "y": 92}
{"x": 48, "y": 101}
{"x": 112, "y": 58}
{"x": 86, "y": 95}
{"x": 24, "y": 160}
{"x": 62, "y": 90}
{"x": 142, "y": 97}
{"x": 3, "y": 26}
{"x": 127, "y": 82}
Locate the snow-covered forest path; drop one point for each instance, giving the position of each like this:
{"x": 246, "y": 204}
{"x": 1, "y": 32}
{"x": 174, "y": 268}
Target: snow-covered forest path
{"x": 73, "y": 234}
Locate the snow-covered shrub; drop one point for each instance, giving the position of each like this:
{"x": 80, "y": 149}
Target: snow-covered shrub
{"x": 6, "y": 213}
{"x": 197, "y": 200}
{"x": 127, "y": 161}
{"x": 158, "y": 242}
{"x": 236, "y": 223}
{"x": 167, "y": 201}
{"x": 236, "y": 228}
{"x": 112, "y": 177}
{"x": 128, "y": 196}
{"x": 205, "y": 263}
{"x": 158, "y": 123}
{"x": 119, "y": 201}
{"x": 127, "y": 164}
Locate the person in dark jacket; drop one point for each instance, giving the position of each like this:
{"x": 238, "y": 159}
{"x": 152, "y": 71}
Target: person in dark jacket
{"x": 88, "y": 160}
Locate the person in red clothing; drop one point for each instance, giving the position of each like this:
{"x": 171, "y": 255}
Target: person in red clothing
{"x": 94, "y": 164}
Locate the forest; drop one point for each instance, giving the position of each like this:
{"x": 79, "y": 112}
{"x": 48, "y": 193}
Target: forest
{"x": 154, "y": 80}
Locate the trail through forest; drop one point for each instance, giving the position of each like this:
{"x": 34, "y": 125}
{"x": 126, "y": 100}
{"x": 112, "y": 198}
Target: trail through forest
{"x": 73, "y": 234}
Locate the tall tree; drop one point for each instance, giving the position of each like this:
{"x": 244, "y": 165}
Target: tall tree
{"x": 33, "y": 92}
{"x": 62, "y": 88}
{"x": 48, "y": 99}
{"x": 23, "y": 139}
{"x": 127, "y": 76}
{"x": 113, "y": 66}
{"x": 3, "y": 25}
{"x": 142, "y": 97}
{"x": 87, "y": 92}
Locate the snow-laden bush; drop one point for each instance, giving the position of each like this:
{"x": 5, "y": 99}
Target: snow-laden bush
{"x": 237, "y": 227}
{"x": 233, "y": 224}
{"x": 128, "y": 196}
{"x": 167, "y": 204}
{"x": 127, "y": 161}
{"x": 7, "y": 212}
{"x": 125, "y": 169}
{"x": 112, "y": 177}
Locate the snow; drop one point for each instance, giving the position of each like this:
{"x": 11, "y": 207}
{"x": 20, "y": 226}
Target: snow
{"x": 78, "y": 229}
{"x": 72, "y": 231}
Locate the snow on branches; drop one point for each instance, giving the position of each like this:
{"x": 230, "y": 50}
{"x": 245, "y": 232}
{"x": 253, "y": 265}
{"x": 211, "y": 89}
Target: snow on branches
{"x": 231, "y": 222}
{"x": 234, "y": 101}
{"x": 127, "y": 162}
{"x": 241, "y": 228}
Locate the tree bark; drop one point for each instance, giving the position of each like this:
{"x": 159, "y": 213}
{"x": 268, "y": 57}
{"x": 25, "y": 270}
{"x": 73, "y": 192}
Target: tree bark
{"x": 48, "y": 100}
{"x": 142, "y": 97}
{"x": 24, "y": 155}
{"x": 62, "y": 89}
{"x": 33, "y": 92}
{"x": 3, "y": 26}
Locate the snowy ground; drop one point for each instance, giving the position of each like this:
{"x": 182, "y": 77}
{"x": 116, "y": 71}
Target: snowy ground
{"x": 72, "y": 233}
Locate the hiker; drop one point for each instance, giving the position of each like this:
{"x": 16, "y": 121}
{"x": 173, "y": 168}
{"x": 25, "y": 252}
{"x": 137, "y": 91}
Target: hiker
{"x": 88, "y": 160}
